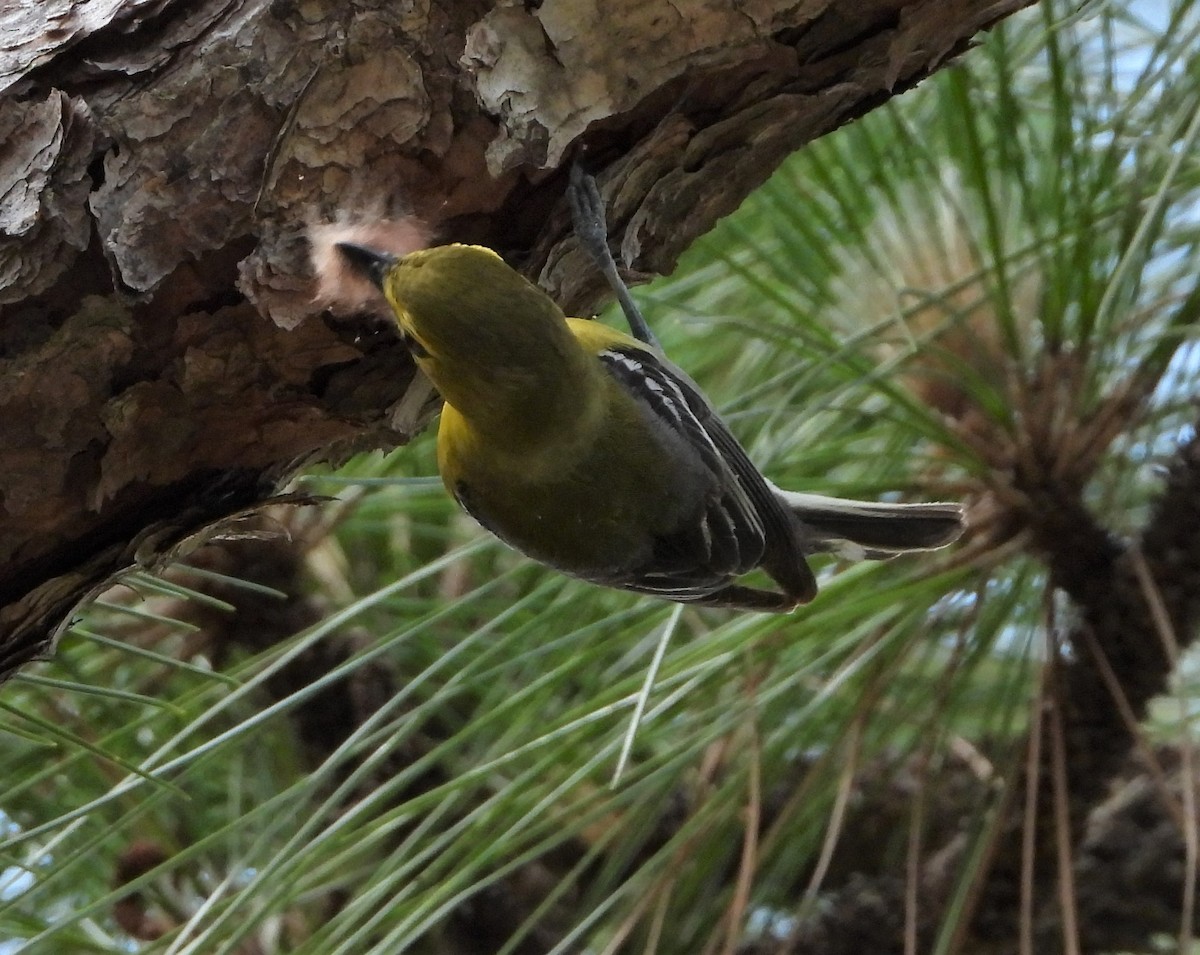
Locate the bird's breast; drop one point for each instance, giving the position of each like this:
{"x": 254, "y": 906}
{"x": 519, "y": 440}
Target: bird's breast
{"x": 593, "y": 510}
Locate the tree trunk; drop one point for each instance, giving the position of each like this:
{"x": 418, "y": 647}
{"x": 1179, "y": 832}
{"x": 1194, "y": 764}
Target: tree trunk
{"x": 163, "y": 365}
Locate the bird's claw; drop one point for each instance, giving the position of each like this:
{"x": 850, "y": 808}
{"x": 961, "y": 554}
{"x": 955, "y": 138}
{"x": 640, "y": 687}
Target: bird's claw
{"x": 587, "y": 214}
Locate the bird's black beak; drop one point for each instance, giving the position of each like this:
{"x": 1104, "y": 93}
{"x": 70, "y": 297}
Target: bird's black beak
{"x": 370, "y": 263}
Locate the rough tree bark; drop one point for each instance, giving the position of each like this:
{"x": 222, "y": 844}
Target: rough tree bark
{"x": 162, "y": 365}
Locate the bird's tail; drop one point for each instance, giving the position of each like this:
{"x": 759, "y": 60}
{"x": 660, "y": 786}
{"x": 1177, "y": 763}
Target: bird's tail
{"x": 862, "y": 530}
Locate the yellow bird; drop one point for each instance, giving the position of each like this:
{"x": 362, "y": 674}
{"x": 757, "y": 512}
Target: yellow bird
{"x": 587, "y": 450}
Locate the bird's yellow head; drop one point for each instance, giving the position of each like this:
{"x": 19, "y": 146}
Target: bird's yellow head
{"x": 477, "y": 327}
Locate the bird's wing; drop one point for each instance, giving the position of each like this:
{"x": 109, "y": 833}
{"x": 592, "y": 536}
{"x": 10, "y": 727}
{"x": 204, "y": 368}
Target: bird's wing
{"x": 732, "y": 528}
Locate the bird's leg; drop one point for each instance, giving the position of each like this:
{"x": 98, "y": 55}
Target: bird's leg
{"x": 587, "y": 215}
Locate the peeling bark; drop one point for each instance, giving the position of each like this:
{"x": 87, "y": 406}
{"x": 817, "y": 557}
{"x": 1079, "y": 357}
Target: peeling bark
{"x": 163, "y": 363}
